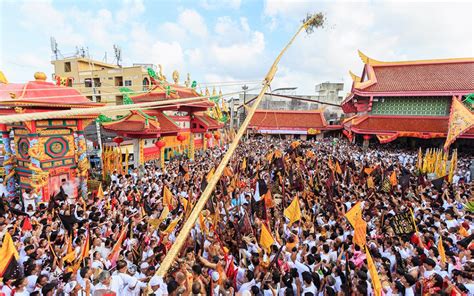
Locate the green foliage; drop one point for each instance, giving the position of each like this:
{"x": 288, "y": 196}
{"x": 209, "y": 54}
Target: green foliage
{"x": 194, "y": 84}
{"x": 470, "y": 206}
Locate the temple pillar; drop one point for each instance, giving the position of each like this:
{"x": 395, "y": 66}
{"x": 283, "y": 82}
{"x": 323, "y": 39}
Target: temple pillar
{"x": 82, "y": 163}
{"x": 204, "y": 142}
{"x": 162, "y": 158}
{"x": 191, "y": 146}
{"x": 8, "y": 162}
{"x": 136, "y": 153}
{"x": 38, "y": 177}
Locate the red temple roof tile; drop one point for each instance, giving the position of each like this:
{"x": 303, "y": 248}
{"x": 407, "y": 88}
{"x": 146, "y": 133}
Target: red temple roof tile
{"x": 40, "y": 93}
{"x": 369, "y": 124}
{"x": 424, "y": 77}
{"x": 289, "y": 120}
{"x": 207, "y": 121}
{"x": 136, "y": 122}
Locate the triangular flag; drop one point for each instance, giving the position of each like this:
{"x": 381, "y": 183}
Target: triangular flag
{"x": 8, "y": 255}
{"x": 100, "y": 192}
{"x": 172, "y": 225}
{"x": 354, "y": 214}
{"x": 338, "y": 168}
{"x": 368, "y": 171}
{"x": 163, "y": 215}
{"x": 184, "y": 201}
{"x": 228, "y": 172}
{"x": 377, "y": 285}
{"x": 266, "y": 238}
{"x": 393, "y": 179}
{"x": 460, "y": 120}
{"x": 293, "y": 211}
{"x": 114, "y": 254}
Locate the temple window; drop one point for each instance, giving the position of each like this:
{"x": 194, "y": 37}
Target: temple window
{"x": 67, "y": 67}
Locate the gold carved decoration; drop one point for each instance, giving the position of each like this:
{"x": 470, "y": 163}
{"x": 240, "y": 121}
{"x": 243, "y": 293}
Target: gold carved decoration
{"x": 176, "y": 76}
{"x": 19, "y": 110}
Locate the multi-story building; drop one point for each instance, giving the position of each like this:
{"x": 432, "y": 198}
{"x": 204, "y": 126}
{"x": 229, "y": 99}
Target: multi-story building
{"x": 102, "y": 80}
{"x": 327, "y": 92}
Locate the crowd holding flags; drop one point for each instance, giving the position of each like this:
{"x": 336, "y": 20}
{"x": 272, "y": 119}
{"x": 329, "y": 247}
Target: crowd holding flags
{"x": 8, "y": 257}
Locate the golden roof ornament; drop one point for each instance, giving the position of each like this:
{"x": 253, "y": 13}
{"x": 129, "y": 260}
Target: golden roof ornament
{"x": 220, "y": 92}
{"x": 161, "y": 77}
{"x": 40, "y": 76}
{"x": 176, "y": 76}
{"x": 214, "y": 91}
{"x": 207, "y": 92}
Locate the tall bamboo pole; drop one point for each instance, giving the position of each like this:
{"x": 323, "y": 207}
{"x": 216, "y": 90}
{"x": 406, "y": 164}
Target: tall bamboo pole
{"x": 183, "y": 234}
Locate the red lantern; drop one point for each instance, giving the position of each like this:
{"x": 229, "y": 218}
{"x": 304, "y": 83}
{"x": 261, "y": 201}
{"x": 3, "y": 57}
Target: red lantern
{"x": 208, "y": 136}
{"x": 118, "y": 140}
{"x": 160, "y": 144}
{"x": 180, "y": 138}
{"x": 217, "y": 136}
{"x": 367, "y": 137}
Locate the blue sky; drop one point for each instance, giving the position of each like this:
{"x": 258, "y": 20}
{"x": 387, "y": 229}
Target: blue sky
{"x": 234, "y": 40}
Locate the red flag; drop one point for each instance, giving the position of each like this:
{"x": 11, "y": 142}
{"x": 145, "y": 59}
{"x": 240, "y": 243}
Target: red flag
{"x": 26, "y": 224}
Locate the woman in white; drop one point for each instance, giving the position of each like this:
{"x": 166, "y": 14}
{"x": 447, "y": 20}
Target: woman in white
{"x": 29, "y": 199}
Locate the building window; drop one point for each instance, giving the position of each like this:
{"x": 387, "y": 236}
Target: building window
{"x": 128, "y": 83}
{"x": 88, "y": 82}
{"x": 118, "y": 100}
{"x": 67, "y": 67}
{"x": 97, "y": 82}
{"x": 119, "y": 81}
{"x": 146, "y": 83}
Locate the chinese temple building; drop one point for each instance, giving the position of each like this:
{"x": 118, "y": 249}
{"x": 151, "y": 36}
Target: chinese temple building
{"x": 43, "y": 153}
{"x": 304, "y": 124}
{"x": 409, "y": 99}
{"x": 181, "y": 127}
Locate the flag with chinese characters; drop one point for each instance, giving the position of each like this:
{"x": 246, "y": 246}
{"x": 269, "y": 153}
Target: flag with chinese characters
{"x": 460, "y": 120}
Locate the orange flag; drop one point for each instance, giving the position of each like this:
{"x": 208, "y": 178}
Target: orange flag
{"x": 441, "y": 252}
{"x": 100, "y": 192}
{"x": 338, "y": 168}
{"x": 370, "y": 182}
{"x": 268, "y": 199}
{"x": 368, "y": 171}
{"x": 461, "y": 119}
{"x": 354, "y": 214}
{"x": 393, "y": 179}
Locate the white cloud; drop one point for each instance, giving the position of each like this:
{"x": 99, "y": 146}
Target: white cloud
{"x": 193, "y": 22}
{"x": 217, "y": 4}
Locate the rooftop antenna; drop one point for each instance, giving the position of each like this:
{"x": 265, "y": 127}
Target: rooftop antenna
{"x": 105, "y": 57}
{"x": 82, "y": 52}
{"x": 54, "y": 47}
{"x": 118, "y": 54}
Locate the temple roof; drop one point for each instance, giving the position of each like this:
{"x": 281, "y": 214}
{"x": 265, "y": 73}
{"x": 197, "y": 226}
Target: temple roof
{"x": 207, "y": 121}
{"x": 159, "y": 92}
{"x": 138, "y": 123}
{"x": 443, "y": 75}
{"x": 289, "y": 120}
{"x": 40, "y": 93}
{"x": 425, "y": 126}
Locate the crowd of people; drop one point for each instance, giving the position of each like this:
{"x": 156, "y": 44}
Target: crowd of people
{"x": 113, "y": 242}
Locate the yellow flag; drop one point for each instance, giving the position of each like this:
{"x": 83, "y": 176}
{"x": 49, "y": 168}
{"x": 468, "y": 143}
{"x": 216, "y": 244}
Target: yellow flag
{"x": 266, "y": 238}
{"x": 370, "y": 182}
{"x": 167, "y": 196}
{"x": 163, "y": 215}
{"x": 441, "y": 252}
{"x": 354, "y": 214}
{"x": 419, "y": 164}
{"x": 368, "y": 171}
{"x": 377, "y": 285}
{"x": 210, "y": 174}
{"x": 126, "y": 160}
{"x": 228, "y": 172}
{"x": 69, "y": 257}
{"x": 172, "y": 225}
{"x": 100, "y": 192}
{"x": 460, "y": 120}
{"x": 202, "y": 223}
{"x": 184, "y": 201}
{"x": 268, "y": 199}
{"x": 293, "y": 211}
{"x": 244, "y": 164}
{"x": 452, "y": 165}
{"x": 8, "y": 253}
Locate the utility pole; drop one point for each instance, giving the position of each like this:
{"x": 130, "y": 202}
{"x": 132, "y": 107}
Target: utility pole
{"x": 244, "y": 88}
{"x": 94, "y": 99}
{"x": 232, "y": 110}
